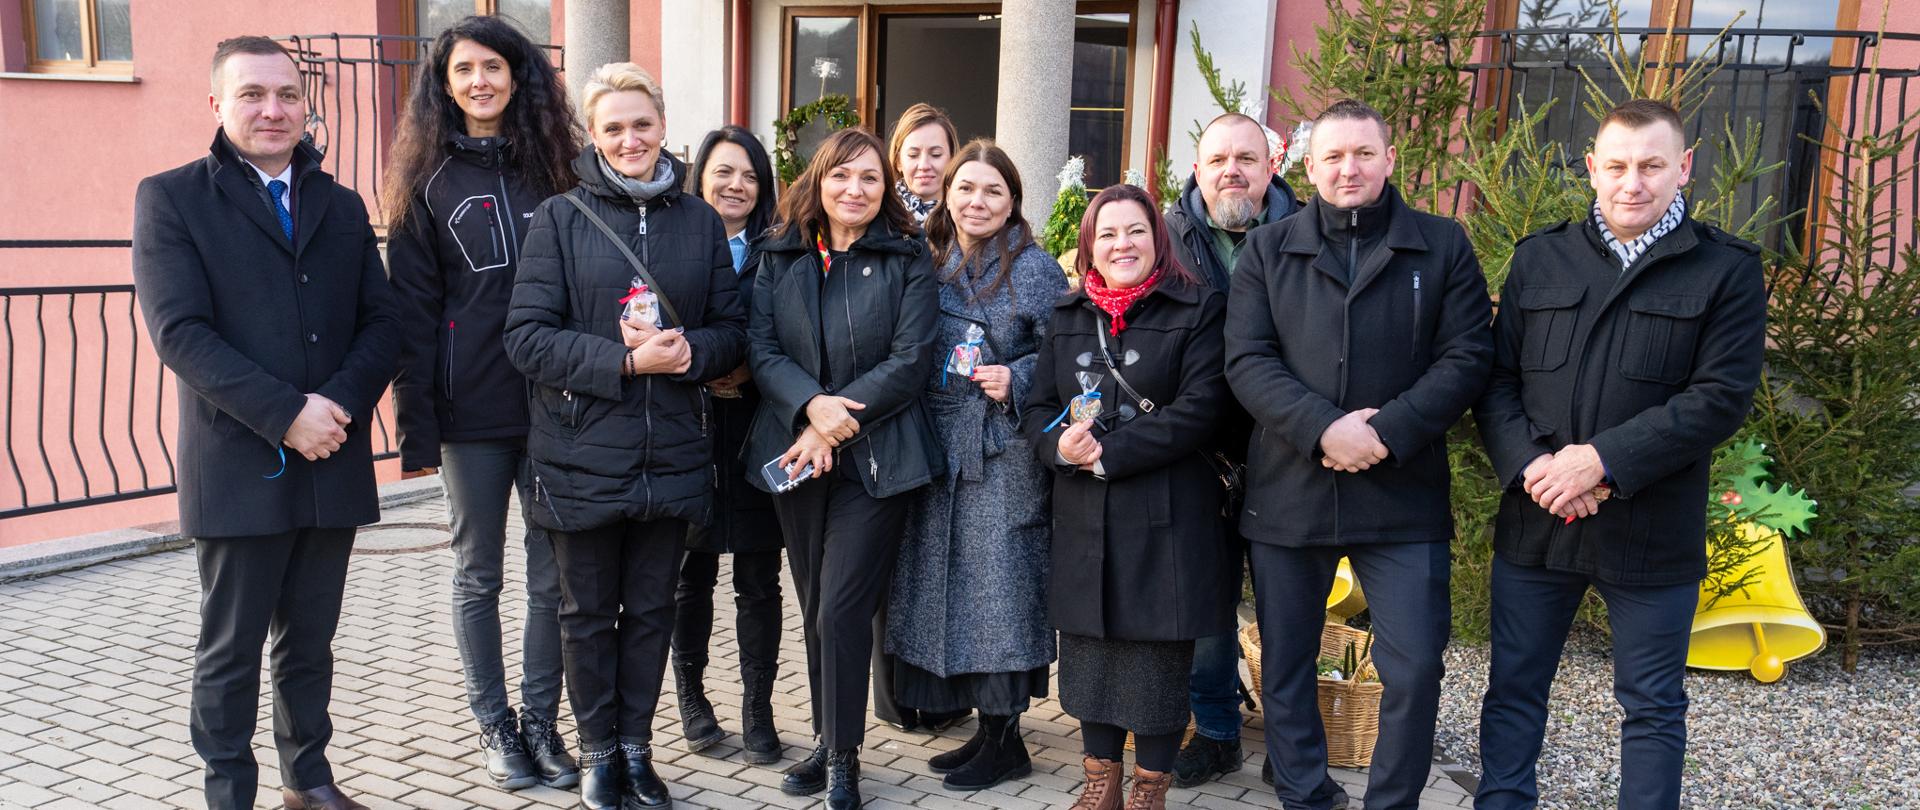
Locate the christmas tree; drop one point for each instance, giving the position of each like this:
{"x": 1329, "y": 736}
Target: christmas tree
{"x": 1062, "y": 232}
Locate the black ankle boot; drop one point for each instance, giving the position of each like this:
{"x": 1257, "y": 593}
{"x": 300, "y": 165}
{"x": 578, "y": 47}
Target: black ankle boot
{"x": 757, "y": 734}
{"x": 697, "y": 722}
{"x": 601, "y": 778}
{"x": 945, "y": 763}
{"x": 808, "y": 776}
{"x": 843, "y": 780}
{"x": 550, "y": 758}
{"x": 644, "y": 788}
{"x": 1002, "y": 756}
{"x": 508, "y": 764}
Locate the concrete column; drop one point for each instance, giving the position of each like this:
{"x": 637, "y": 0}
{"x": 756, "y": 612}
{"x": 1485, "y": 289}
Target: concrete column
{"x": 1036, "y": 89}
{"x": 596, "y": 34}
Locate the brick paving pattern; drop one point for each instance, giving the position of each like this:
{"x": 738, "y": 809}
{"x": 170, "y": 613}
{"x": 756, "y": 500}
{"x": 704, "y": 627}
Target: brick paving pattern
{"x": 95, "y": 664}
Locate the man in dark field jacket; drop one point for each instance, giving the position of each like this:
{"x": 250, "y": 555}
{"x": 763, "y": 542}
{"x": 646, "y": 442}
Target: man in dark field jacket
{"x": 1229, "y": 194}
{"x": 1628, "y": 346}
{"x": 1357, "y": 334}
{"x": 261, "y": 284}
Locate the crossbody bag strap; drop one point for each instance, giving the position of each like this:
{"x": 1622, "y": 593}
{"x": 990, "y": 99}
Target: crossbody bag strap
{"x": 1100, "y": 331}
{"x": 638, "y": 268}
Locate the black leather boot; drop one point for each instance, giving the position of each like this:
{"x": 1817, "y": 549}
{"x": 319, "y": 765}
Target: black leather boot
{"x": 697, "y": 722}
{"x": 1002, "y": 756}
{"x": 508, "y": 764}
{"x": 757, "y": 734}
{"x": 644, "y": 788}
{"x": 808, "y": 776}
{"x": 843, "y": 780}
{"x": 601, "y": 778}
{"x": 550, "y": 758}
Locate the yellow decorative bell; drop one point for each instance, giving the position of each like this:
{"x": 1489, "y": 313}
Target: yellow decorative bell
{"x": 1762, "y": 628}
{"x": 1345, "y": 600}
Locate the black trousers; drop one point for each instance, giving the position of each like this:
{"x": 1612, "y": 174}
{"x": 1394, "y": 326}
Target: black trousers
{"x": 616, "y": 623}
{"x": 756, "y": 605}
{"x": 1406, "y": 587}
{"x": 283, "y": 589}
{"x": 842, "y": 544}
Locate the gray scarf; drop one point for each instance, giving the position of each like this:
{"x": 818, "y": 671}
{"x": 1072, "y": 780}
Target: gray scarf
{"x": 641, "y": 192}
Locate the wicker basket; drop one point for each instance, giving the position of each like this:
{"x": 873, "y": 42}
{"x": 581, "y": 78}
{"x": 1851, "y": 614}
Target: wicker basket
{"x": 1350, "y": 710}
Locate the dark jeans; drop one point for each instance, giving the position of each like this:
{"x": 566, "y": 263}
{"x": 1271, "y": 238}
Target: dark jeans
{"x": 1214, "y": 687}
{"x": 616, "y": 622}
{"x": 1406, "y": 586}
{"x": 756, "y": 605}
{"x": 478, "y": 477}
{"x": 1532, "y": 609}
{"x": 842, "y": 544}
{"x": 283, "y": 590}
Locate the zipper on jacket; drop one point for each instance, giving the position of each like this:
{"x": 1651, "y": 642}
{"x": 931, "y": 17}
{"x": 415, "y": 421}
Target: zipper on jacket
{"x": 1353, "y": 248}
{"x": 573, "y": 408}
{"x": 450, "y": 343}
{"x": 646, "y": 461}
{"x": 506, "y": 214}
{"x": 495, "y": 236}
{"x": 1414, "y": 350}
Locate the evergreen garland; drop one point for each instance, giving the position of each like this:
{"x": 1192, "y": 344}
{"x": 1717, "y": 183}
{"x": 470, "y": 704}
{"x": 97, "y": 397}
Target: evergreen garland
{"x": 787, "y": 160}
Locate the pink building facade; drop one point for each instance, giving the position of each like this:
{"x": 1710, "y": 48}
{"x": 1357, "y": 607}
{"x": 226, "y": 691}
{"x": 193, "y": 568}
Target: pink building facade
{"x": 87, "y": 111}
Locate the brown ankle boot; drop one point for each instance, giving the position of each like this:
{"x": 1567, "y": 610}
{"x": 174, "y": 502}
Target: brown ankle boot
{"x": 1149, "y": 789}
{"x": 1102, "y": 791}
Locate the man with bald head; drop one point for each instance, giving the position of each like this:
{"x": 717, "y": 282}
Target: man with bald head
{"x": 1627, "y": 347}
{"x": 1230, "y": 192}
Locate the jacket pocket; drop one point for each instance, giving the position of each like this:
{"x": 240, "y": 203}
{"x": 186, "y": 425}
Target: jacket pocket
{"x": 476, "y": 227}
{"x": 561, "y": 408}
{"x": 1662, "y": 329}
{"x": 1548, "y": 317}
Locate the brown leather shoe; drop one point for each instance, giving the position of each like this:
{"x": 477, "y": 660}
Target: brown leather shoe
{"x": 325, "y": 797}
{"x": 1102, "y": 790}
{"x": 1149, "y": 789}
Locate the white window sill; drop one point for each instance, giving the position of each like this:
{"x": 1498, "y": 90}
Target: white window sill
{"x": 109, "y": 78}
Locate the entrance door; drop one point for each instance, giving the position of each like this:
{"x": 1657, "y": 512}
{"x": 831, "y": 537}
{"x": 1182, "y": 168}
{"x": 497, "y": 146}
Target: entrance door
{"x": 887, "y": 61}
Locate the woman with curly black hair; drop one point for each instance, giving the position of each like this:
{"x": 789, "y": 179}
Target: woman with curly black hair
{"x": 487, "y": 135}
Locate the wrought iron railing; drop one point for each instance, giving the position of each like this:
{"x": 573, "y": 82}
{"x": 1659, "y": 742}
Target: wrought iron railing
{"x": 356, "y": 90}
{"x": 91, "y": 417}
{"x": 1789, "y": 81}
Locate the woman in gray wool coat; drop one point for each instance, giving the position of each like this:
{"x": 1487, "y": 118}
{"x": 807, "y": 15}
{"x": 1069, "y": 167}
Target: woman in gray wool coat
{"x": 968, "y": 617}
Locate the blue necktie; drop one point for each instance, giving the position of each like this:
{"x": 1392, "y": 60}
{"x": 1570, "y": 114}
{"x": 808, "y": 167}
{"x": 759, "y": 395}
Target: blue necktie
{"x": 275, "y": 188}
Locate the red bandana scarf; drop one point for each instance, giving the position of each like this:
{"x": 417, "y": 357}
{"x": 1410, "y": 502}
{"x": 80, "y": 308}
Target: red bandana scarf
{"x": 1115, "y": 302}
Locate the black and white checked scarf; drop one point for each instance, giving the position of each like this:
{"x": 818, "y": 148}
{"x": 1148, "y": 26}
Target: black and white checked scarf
{"x": 1633, "y": 250}
{"x": 919, "y": 208}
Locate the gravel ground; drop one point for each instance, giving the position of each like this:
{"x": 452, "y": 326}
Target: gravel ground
{"x": 1819, "y": 738}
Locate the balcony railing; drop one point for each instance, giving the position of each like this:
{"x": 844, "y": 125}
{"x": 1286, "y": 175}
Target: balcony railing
{"x": 91, "y": 417}
{"x": 1788, "y": 81}
{"x": 357, "y": 88}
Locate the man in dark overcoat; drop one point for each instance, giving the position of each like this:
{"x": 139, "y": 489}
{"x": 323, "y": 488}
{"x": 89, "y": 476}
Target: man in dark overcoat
{"x": 1231, "y": 192}
{"x": 1357, "y": 334}
{"x": 1628, "y": 346}
{"x": 261, "y": 284}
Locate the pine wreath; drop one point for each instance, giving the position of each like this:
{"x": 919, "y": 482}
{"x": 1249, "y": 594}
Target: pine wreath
{"x": 837, "y": 109}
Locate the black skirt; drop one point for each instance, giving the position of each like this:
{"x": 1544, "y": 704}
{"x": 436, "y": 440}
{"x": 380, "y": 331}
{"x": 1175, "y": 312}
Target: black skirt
{"x": 996, "y": 693}
{"x": 1140, "y": 686}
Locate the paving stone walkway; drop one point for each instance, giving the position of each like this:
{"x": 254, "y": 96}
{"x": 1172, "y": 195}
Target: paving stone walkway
{"x": 95, "y": 663}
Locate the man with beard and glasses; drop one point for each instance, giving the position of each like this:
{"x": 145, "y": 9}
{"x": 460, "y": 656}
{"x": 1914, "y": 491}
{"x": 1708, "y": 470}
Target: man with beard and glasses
{"x": 1230, "y": 193}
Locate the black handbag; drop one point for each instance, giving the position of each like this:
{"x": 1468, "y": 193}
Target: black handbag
{"x": 1232, "y": 475}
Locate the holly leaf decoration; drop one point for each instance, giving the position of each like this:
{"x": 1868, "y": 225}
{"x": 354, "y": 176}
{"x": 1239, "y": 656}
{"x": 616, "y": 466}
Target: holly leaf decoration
{"x": 1749, "y": 464}
{"x": 1783, "y": 509}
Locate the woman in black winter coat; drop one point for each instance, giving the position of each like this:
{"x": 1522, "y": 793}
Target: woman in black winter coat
{"x": 731, "y": 172}
{"x": 619, "y": 451}
{"x": 844, "y": 310}
{"x": 1142, "y": 564}
{"x": 487, "y": 135}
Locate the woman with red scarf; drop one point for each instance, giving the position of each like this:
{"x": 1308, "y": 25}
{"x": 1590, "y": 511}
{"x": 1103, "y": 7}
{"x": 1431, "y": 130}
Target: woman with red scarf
{"x": 1125, "y": 406}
